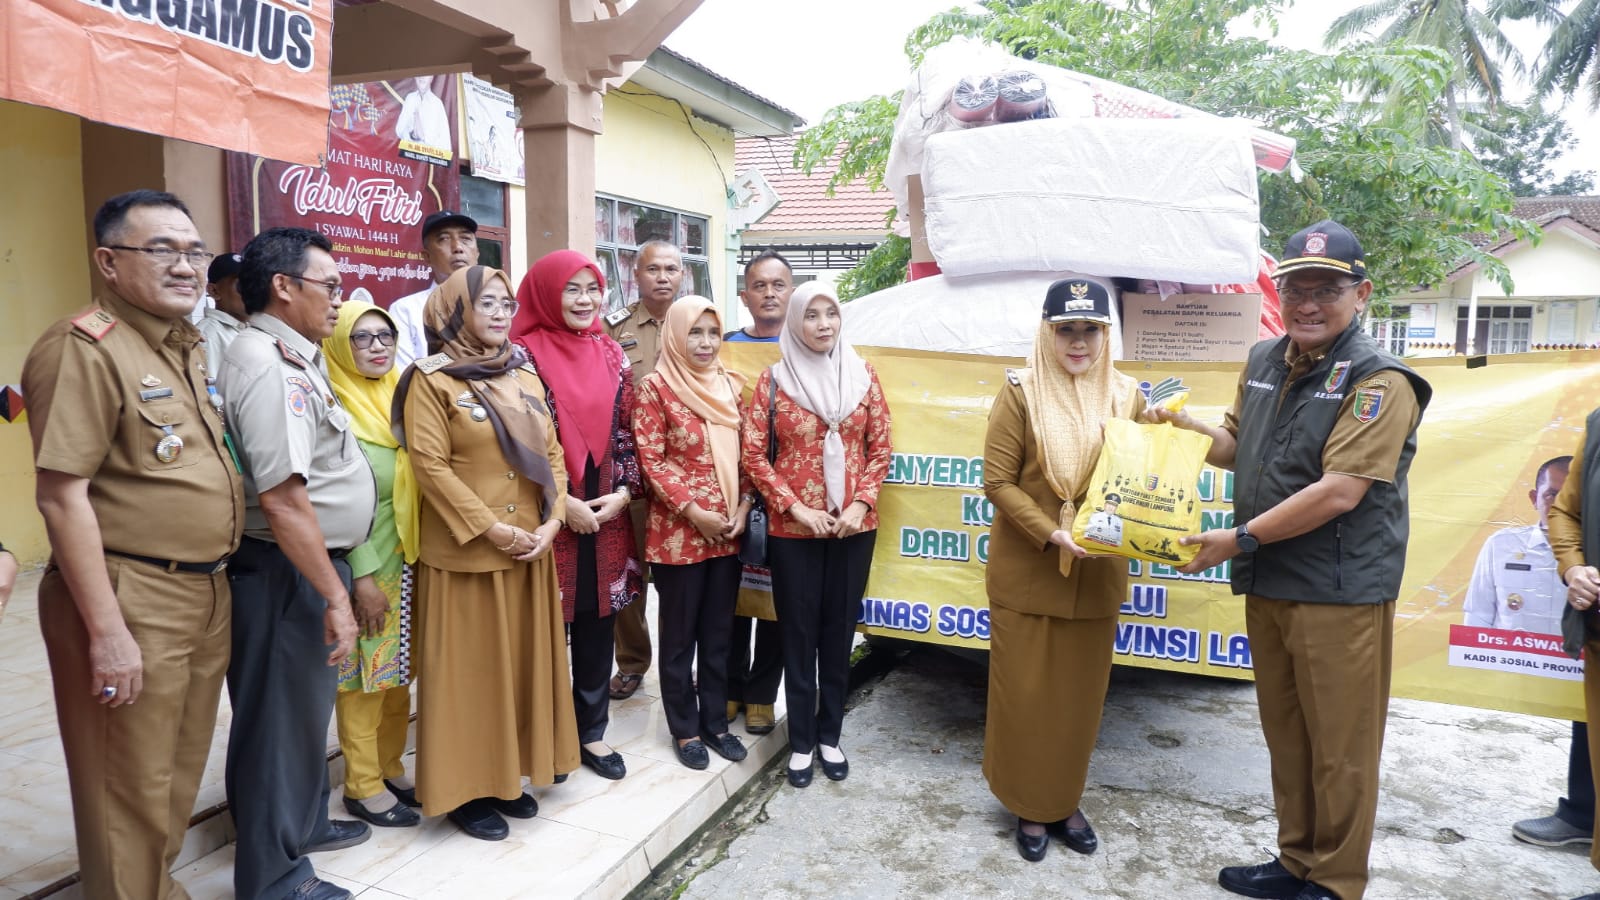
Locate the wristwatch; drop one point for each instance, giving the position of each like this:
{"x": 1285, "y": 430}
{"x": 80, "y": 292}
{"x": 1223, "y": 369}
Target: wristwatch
{"x": 1247, "y": 541}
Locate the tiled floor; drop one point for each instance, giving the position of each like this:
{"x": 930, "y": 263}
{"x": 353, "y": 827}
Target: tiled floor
{"x": 593, "y": 838}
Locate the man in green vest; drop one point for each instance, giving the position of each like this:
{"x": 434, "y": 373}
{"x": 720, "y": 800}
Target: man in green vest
{"x": 1320, "y": 435}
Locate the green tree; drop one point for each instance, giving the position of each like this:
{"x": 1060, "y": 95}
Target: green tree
{"x": 1370, "y": 165}
{"x": 1519, "y": 143}
{"x": 1569, "y": 63}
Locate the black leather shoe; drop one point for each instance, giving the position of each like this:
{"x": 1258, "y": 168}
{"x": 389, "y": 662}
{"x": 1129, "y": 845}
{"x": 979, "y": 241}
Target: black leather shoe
{"x": 1032, "y": 846}
{"x": 524, "y": 807}
{"x": 408, "y": 796}
{"x": 728, "y": 746}
{"x": 317, "y": 889}
{"x": 692, "y": 754}
{"x": 609, "y": 766}
{"x": 1267, "y": 881}
{"x": 835, "y": 771}
{"x": 1079, "y": 840}
{"x": 562, "y": 778}
{"x": 1314, "y": 891}
{"x": 396, "y": 816}
{"x": 801, "y": 777}
{"x": 341, "y": 833}
{"x": 478, "y": 819}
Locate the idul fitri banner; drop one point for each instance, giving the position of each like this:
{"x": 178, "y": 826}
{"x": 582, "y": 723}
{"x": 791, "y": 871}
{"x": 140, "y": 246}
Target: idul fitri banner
{"x": 245, "y": 75}
{"x": 1478, "y": 615}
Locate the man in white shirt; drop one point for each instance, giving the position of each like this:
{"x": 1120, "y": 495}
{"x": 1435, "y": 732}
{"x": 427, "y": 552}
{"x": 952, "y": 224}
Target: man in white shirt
{"x": 449, "y": 242}
{"x": 225, "y": 317}
{"x": 1515, "y": 584}
{"x": 423, "y": 118}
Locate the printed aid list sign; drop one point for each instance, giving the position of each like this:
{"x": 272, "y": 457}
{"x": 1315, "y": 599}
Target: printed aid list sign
{"x": 371, "y": 196}
{"x": 245, "y": 75}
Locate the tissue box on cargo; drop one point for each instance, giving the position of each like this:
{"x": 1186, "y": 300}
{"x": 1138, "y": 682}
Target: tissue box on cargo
{"x": 1172, "y": 200}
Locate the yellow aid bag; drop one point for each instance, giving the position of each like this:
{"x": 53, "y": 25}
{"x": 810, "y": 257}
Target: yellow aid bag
{"x": 1143, "y": 495}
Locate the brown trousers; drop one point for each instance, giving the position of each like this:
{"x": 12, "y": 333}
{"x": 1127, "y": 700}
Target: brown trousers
{"x": 1322, "y": 682}
{"x": 632, "y": 630}
{"x": 135, "y": 770}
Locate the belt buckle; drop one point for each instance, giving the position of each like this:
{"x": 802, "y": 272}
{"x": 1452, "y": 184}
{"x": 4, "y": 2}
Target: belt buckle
{"x": 221, "y": 564}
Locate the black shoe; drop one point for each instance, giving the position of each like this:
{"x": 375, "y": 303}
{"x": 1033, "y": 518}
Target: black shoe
{"x": 727, "y": 746}
{"x": 801, "y": 777}
{"x": 408, "y": 796}
{"x": 692, "y": 754}
{"x": 1268, "y": 881}
{"x": 316, "y": 889}
{"x": 1314, "y": 891}
{"x": 835, "y": 771}
{"x": 1032, "y": 846}
{"x": 1079, "y": 840}
{"x": 609, "y": 766}
{"x": 478, "y": 819}
{"x": 341, "y": 833}
{"x": 524, "y": 807}
{"x": 396, "y": 816}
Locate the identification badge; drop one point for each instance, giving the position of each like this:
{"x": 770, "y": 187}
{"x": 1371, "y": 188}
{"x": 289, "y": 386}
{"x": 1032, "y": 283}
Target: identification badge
{"x": 170, "y": 447}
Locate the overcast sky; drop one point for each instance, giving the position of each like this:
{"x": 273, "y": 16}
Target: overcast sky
{"x": 810, "y": 56}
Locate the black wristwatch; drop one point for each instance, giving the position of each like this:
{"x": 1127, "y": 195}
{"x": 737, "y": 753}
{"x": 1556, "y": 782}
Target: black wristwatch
{"x": 1247, "y": 541}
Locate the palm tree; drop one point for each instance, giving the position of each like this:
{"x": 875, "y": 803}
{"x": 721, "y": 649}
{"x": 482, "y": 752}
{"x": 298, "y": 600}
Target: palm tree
{"x": 1470, "y": 35}
{"x": 1571, "y": 55}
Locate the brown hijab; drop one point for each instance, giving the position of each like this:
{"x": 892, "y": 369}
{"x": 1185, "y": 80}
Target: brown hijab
{"x": 513, "y": 413}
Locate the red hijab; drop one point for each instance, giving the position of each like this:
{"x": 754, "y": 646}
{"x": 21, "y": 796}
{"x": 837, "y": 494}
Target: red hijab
{"x": 582, "y": 368}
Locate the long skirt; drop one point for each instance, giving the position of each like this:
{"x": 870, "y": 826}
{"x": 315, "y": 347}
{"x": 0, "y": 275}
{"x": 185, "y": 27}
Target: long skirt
{"x": 1047, "y": 688}
{"x": 494, "y": 699}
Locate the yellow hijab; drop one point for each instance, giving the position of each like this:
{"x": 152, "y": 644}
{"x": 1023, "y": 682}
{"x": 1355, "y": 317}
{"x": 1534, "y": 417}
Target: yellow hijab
{"x": 1066, "y": 413}
{"x": 368, "y": 401}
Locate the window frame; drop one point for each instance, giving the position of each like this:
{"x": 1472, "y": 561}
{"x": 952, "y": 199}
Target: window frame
{"x": 617, "y": 255}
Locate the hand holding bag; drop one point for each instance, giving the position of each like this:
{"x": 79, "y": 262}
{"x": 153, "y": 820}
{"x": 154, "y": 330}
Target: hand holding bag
{"x": 753, "y": 549}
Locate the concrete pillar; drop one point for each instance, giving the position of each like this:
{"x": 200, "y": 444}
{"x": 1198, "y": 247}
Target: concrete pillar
{"x": 559, "y": 124}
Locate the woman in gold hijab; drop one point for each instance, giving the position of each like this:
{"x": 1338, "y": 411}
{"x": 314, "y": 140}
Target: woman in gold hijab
{"x": 494, "y": 702}
{"x": 374, "y": 703}
{"x": 1053, "y": 609}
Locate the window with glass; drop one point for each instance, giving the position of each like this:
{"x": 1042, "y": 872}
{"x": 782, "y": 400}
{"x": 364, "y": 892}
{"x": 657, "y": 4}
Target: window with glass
{"x": 485, "y": 202}
{"x": 621, "y": 227}
{"x": 1510, "y": 328}
{"x": 1390, "y": 333}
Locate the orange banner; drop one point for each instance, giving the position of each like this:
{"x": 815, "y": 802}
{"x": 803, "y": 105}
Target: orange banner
{"x": 246, "y": 75}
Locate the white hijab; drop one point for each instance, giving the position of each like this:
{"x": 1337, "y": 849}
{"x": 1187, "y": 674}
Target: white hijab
{"x": 831, "y": 384}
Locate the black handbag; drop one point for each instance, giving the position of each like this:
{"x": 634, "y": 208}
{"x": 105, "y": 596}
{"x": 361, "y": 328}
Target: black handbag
{"x": 753, "y": 549}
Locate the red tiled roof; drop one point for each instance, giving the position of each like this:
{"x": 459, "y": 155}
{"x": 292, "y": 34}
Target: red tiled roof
{"x": 805, "y": 204}
{"x": 1582, "y": 210}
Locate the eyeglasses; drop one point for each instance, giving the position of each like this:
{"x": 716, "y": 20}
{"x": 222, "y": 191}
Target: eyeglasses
{"x": 332, "y": 287}
{"x": 496, "y": 307}
{"x": 1324, "y": 295}
{"x": 363, "y": 339}
{"x": 573, "y": 292}
{"x": 167, "y": 257}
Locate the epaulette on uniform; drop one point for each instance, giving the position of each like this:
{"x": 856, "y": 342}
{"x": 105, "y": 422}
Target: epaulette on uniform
{"x": 1014, "y": 376}
{"x": 529, "y": 368}
{"x": 619, "y": 316}
{"x": 433, "y": 363}
{"x": 96, "y": 323}
{"x": 291, "y": 357}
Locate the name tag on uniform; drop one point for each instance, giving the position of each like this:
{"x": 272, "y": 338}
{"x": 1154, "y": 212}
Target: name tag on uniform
{"x": 155, "y": 394}
{"x": 1519, "y": 567}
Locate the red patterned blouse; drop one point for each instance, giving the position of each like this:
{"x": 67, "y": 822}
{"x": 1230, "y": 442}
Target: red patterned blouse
{"x": 797, "y": 475}
{"x": 675, "y": 462}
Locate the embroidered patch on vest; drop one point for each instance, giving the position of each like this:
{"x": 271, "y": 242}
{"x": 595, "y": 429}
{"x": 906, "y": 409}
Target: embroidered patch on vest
{"x": 1369, "y": 402}
{"x": 1337, "y": 375}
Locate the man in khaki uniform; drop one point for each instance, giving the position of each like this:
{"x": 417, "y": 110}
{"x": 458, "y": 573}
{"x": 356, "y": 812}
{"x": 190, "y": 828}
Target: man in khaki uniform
{"x": 309, "y": 499}
{"x": 658, "y": 271}
{"x": 1318, "y": 551}
{"x": 143, "y": 504}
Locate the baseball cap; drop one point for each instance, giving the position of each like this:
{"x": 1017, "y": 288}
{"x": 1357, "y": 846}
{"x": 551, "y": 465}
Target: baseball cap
{"x": 224, "y": 265}
{"x": 1325, "y": 245}
{"x": 1072, "y": 299}
{"x": 445, "y": 218}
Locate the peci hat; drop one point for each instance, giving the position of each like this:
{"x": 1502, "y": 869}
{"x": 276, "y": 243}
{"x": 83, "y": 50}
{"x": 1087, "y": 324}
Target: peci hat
{"x": 1325, "y": 245}
{"x": 1073, "y": 299}
{"x": 223, "y": 266}
{"x": 445, "y": 218}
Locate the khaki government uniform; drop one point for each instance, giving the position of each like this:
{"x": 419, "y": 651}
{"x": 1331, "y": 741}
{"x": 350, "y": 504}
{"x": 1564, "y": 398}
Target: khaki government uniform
{"x": 104, "y": 388}
{"x": 1322, "y": 669}
{"x": 640, "y": 337}
{"x": 1050, "y": 638}
{"x": 494, "y": 700}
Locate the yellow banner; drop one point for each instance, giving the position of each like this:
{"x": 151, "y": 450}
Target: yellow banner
{"x": 1481, "y": 445}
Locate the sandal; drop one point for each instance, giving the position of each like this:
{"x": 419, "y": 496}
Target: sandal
{"x": 624, "y": 684}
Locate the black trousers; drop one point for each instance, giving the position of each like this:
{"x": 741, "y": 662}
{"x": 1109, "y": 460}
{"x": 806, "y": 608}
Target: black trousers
{"x": 754, "y": 678}
{"x": 817, "y": 585}
{"x": 282, "y": 690}
{"x": 1577, "y": 808}
{"x": 695, "y": 614}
